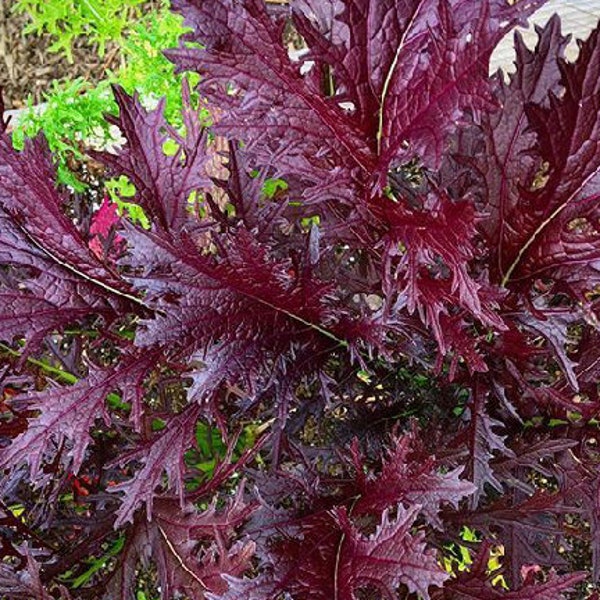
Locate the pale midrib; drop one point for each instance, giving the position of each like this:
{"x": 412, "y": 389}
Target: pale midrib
{"x": 291, "y": 315}
{"x": 543, "y": 225}
{"x": 540, "y": 229}
{"x": 76, "y": 271}
{"x": 390, "y": 75}
{"x": 180, "y": 560}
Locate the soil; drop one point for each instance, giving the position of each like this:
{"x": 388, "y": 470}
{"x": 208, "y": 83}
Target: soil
{"x": 28, "y": 68}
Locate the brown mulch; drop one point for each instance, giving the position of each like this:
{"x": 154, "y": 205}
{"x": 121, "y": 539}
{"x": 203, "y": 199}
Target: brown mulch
{"x": 26, "y": 66}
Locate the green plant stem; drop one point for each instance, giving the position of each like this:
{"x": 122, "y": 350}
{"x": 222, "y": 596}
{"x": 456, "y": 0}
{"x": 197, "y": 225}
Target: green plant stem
{"x": 53, "y": 372}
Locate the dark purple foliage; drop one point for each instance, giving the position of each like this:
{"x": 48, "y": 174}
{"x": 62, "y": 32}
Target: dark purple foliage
{"x": 364, "y": 318}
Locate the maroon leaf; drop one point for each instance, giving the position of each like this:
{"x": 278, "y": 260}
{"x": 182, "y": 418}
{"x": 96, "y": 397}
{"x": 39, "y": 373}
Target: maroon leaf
{"x": 193, "y": 551}
{"x": 163, "y": 182}
{"x": 29, "y": 195}
{"x": 391, "y": 556}
{"x": 24, "y": 582}
{"x": 530, "y": 530}
{"x": 25, "y": 315}
{"x": 67, "y": 414}
{"x": 476, "y": 584}
{"x": 509, "y": 162}
{"x": 332, "y": 559}
{"x": 160, "y": 456}
{"x": 556, "y": 233}
{"x": 409, "y": 476}
{"x": 426, "y": 254}
{"x": 482, "y": 441}
{"x": 243, "y": 45}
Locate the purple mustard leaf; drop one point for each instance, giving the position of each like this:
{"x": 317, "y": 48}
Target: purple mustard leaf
{"x": 578, "y": 481}
{"x": 257, "y": 588}
{"x": 539, "y": 456}
{"x": 31, "y": 317}
{"x": 331, "y": 558}
{"x": 194, "y": 551}
{"x": 556, "y": 325}
{"x": 411, "y": 477}
{"x": 29, "y": 197}
{"x": 163, "y": 180}
{"x": 238, "y": 301}
{"x": 393, "y": 555}
{"x": 482, "y": 443}
{"x": 262, "y": 96}
{"x": 530, "y": 529}
{"x": 427, "y": 252}
{"x": 556, "y": 211}
{"x": 508, "y": 163}
{"x": 52, "y": 278}
{"x": 476, "y": 583}
{"x": 184, "y": 568}
{"x": 52, "y": 296}
{"x": 66, "y": 414}
{"x": 23, "y": 582}
{"x": 161, "y": 455}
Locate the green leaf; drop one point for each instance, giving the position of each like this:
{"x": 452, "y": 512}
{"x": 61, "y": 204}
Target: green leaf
{"x": 272, "y": 186}
{"x": 97, "y": 564}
